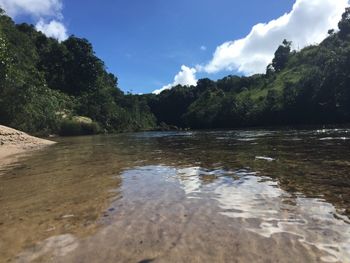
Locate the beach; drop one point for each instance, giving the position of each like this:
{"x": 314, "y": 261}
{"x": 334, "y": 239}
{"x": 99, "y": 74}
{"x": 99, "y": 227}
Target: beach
{"x": 14, "y": 142}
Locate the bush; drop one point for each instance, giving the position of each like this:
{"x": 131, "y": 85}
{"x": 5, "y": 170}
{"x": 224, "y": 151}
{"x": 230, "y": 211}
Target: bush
{"x": 70, "y": 127}
{"x": 90, "y": 128}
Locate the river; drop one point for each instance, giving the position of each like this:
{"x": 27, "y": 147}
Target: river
{"x": 209, "y": 196}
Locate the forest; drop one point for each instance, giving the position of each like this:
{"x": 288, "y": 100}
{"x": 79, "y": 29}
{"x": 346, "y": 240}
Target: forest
{"x": 48, "y": 87}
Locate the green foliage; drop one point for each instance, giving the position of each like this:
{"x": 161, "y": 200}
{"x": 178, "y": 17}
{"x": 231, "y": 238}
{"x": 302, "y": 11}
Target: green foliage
{"x": 170, "y": 105}
{"x": 43, "y": 83}
{"x": 344, "y": 24}
{"x": 74, "y": 127}
{"x": 281, "y": 56}
{"x": 311, "y": 86}
{"x": 4, "y": 59}
{"x": 204, "y": 111}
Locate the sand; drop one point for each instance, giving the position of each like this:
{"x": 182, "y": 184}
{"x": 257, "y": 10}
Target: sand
{"x": 14, "y": 142}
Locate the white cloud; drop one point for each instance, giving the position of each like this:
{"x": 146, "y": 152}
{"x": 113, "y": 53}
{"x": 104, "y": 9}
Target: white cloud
{"x": 186, "y": 77}
{"x": 40, "y": 9}
{"x": 53, "y": 29}
{"x": 37, "y": 8}
{"x": 203, "y": 48}
{"x": 307, "y": 23}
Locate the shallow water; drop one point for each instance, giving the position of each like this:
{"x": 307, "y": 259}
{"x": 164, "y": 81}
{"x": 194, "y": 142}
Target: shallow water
{"x": 215, "y": 196}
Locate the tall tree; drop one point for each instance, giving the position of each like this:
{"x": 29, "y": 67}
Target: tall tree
{"x": 282, "y": 55}
{"x": 344, "y": 24}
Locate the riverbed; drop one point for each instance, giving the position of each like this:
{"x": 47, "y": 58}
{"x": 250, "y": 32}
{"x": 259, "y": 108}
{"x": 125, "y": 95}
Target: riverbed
{"x": 210, "y": 196}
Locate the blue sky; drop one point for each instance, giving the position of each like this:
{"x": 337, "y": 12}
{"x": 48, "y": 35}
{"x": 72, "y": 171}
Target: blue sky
{"x": 145, "y": 43}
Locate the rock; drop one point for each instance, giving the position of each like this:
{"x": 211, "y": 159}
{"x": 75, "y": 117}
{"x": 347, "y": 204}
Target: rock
{"x": 269, "y": 159}
{"x": 67, "y": 216}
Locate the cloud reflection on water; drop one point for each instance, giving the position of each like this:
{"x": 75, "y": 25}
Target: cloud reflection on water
{"x": 243, "y": 195}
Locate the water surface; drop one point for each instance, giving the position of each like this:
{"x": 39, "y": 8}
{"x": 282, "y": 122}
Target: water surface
{"x": 215, "y": 196}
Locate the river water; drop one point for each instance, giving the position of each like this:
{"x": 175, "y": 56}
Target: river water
{"x": 211, "y": 196}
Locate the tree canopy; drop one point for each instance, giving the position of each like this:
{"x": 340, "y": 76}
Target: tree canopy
{"x": 46, "y": 85}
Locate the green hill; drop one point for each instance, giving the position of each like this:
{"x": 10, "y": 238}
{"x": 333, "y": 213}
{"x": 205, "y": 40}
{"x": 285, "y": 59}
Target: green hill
{"x": 311, "y": 86}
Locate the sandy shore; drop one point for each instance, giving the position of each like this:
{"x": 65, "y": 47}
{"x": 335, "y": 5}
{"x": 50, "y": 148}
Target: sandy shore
{"x": 14, "y": 142}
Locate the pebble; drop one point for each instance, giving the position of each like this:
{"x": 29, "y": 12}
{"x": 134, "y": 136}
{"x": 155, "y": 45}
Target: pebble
{"x": 68, "y": 216}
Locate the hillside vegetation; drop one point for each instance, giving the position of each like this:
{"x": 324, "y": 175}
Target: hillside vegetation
{"x": 52, "y": 87}
{"x": 311, "y": 86}
{"x": 45, "y": 85}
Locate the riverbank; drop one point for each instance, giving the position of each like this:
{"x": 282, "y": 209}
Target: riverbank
{"x": 14, "y": 142}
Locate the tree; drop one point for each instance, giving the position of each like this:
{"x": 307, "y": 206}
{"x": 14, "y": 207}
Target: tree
{"x": 344, "y": 24}
{"x": 204, "y": 84}
{"x": 270, "y": 70}
{"x": 281, "y": 55}
{"x": 82, "y": 67}
{"x": 45, "y": 83}
{"x": 4, "y": 59}
{"x": 4, "y": 68}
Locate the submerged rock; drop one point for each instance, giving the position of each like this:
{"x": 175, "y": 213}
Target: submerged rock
{"x": 264, "y": 158}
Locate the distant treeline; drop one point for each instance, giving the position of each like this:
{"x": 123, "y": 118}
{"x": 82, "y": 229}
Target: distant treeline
{"x": 311, "y": 86}
{"x": 51, "y": 87}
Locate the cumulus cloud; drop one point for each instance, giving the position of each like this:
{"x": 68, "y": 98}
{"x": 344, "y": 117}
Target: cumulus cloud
{"x": 40, "y": 10}
{"x": 307, "y": 23}
{"x": 186, "y": 77}
{"x": 53, "y": 29}
{"x": 36, "y": 8}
